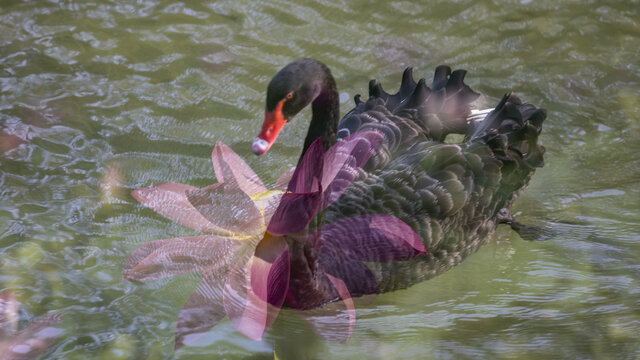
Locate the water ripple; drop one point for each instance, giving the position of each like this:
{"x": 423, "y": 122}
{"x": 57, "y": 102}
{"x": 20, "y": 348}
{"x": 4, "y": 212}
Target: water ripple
{"x": 99, "y": 98}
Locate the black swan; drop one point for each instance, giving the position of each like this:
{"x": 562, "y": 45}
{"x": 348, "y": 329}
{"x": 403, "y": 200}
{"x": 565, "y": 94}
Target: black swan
{"x": 452, "y": 195}
{"x": 378, "y": 202}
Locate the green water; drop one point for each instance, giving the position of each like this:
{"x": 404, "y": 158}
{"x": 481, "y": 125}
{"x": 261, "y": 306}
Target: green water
{"x": 99, "y": 98}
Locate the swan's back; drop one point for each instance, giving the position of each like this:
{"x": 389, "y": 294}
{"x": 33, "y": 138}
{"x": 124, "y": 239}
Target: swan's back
{"x": 450, "y": 194}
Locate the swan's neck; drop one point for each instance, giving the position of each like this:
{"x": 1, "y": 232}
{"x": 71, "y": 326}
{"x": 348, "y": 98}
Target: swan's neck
{"x": 307, "y": 287}
{"x": 326, "y": 113}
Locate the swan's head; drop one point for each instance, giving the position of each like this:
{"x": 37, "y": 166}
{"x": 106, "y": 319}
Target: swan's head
{"x": 291, "y": 90}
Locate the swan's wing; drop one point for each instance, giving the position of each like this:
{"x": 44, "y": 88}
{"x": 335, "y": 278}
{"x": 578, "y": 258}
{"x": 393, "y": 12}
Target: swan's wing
{"x": 450, "y": 194}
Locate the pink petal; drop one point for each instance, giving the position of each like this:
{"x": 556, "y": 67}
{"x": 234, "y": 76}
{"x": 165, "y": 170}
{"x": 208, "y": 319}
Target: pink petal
{"x": 271, "y": 205}
{"x": 8, "y": 314}
{"x": 237, "y": 301}
{"x": 228, "y": 207}
{"x": 270, "y": 270}
{"x": 348, "y": 302}
{"x": 294, "y": 212}
{"x": 311, "y": 260}
{"x": 284, "y": 179}
{"x": 334, "y": 321}
{"x": 170, "y": 200}
{"x": 306, "y": 177}
{"x": 343, "y": 160}
{"x": 203, "y": 310}
{"x": 356, "y": 276}
{"x": 169, "y": 257}
{"x": 371, "y": 238}
{"x": 228, "y": 167}
{"x": 255, "y": 290}
{"x": 398, "y": 233}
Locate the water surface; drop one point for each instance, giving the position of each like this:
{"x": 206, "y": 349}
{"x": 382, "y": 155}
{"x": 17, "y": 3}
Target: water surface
{"x": 99, "y": 98}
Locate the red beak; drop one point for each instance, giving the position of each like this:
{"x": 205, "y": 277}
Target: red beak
{"x": 273, "y": 122}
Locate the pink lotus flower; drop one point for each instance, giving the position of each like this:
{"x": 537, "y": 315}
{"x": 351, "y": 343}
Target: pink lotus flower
{"x": 233, "y": 213}
{"x": 244, "y": 261}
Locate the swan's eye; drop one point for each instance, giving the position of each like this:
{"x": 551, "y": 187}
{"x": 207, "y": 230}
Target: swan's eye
{"x": 289, "y": 96}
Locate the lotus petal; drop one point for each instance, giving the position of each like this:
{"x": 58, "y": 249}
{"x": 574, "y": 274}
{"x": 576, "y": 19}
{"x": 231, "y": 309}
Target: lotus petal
{"x": 334, "y": 321}
{"x": 271, "y": 205}
{"x": 229, "y": 208}
{"x": 283, "y": 181}
{"x": 169, "y": 257}
{"x": 255, "y": 289}
{"x": 270, "y": 270}
{"x": 343, "y": 160}
{"x": 355, "y": 275}
{"x": 294, "y": 212}
{"x": 9, "y": 141}
{"x": 170, "y": 200}
{"x": 370, "y": 238}
{"x": 307, "y": 175}
{"x": 229, "y": 167}
{"x": 203, "y": 310}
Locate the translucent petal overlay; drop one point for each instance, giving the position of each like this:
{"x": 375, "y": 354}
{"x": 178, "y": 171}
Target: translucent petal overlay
{"x": 344, "y": 245}
{"x": 169, "y": 257}
{"x": 342, "y": 161}
{"x": 270, "y": 270}
{"x": 255, "y": 289}
{"x": 228, "y": 207}
{"x": 301, "y": 204}
{"x": 370, "y": 238}
{"x": 309, "y": 285}
{"x": 306, "y": 177}
{"x": 249, "y": 289}
{"x": 294, "y": 212}
{"x": 351, "y": 311}
{"x": 334, "y": 321}
{"x": 204, "y": 309}
{"x": 170, "y": 200}
{"x": 355, "y": 275}
{"x": 270, "y": 205}
{"x": 8, "y": 314}
{"x": 229, "y": 167}
{"x": 336, "y": 170}
{"x": 283, "y": 181}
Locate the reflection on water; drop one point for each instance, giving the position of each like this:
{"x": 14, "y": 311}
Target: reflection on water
{"x": 29, "y": 342}
{"x": 100, "y": 98}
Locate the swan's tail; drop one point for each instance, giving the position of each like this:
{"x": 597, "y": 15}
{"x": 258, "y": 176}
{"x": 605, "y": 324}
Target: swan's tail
{"x": 511, "y": 130}
{"x": 442, "y": 108}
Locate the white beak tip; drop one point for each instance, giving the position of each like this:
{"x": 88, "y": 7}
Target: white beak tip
{"x": 260, "y": 146}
